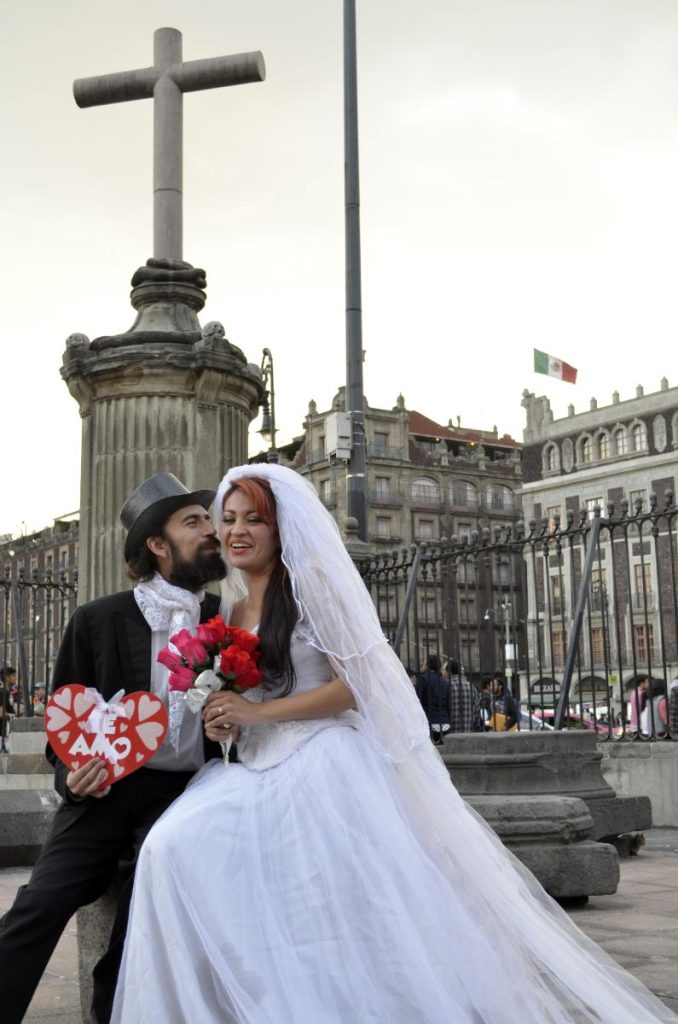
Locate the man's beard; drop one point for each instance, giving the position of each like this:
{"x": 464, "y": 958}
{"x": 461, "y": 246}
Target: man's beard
{"x": 206, "y": 567}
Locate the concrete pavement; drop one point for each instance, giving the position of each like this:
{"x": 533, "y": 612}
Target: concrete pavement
{"x": 638, "y": 926}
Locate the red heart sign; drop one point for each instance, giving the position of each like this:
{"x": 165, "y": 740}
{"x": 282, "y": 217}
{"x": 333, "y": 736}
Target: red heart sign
{"x": 124, "y": 734}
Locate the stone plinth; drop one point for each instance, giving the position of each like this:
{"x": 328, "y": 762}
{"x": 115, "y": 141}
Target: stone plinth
{"x": 544, "y": 794}
{"x": 567, "y": 763}
{"x": 166, "y": 396}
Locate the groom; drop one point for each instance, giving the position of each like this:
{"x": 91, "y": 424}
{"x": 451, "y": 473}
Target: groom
{"x": 171, "y": 551}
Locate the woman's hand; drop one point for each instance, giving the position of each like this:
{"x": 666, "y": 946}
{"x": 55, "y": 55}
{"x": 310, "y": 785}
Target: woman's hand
{"x": 224, "y": 712}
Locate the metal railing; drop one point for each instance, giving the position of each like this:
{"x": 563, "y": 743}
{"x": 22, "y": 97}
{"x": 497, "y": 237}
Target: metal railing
{"x": 556, "y": 608}
{"x": 34, "y": 611}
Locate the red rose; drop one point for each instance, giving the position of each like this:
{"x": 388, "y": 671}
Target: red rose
{"x": 213, "y": 631}
{"x": 239, "y": 668}
{"x": 243, "y": 639}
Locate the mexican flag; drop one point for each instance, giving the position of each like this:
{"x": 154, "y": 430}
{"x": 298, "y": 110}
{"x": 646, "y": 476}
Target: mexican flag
{"x": 553, "y": 367}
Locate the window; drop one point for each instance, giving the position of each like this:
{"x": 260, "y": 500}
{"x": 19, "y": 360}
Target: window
{"x": 427, "y": 609}
{"x": 499, "y": 498}
{"x": 467, "y": 610}
{"x": 620, "y": 441}
{"x": 604, "y": 446}
{"x": 63, "y": 558}
{"x": 381, "y": 441}
{"x": 597, "y": 646}
{"x": 425, "y": 491}
{"x": 325, "y": 491}
{"x": 321, "y": 446}
{"x": 586, "y": 450}
{"x": 383, "y": 526}
{"x": 558, "y": 645}
{"x": 464, "y": 532}
{"x": 557, "y": 594}
{"x": 644, "y": 639}
{"x": 635, "y": 497}
{"x": 382, "y": 486}
{"x": 642, "y": 589}
{"x": 386, "y": 608}
{"x": 464, "y": 494}
{"x": 598, "y": 589}
{"x": 639, "y": 437}
{"x": 550, "y": 458}
{"x": 591, "y": 505}
{"x": 425, "y": 529}
{"x": 552, "y": 513}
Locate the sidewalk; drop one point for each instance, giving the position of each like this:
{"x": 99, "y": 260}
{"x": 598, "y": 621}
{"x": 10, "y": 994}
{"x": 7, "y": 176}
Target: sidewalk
{"x": 638, "y": 926}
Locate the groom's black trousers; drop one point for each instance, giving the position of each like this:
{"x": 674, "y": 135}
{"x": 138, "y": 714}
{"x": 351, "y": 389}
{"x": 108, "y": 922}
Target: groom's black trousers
{"x": 76, "y": 865}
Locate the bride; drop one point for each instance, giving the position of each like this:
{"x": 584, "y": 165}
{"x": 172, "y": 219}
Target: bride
{"x": 335, "y": 876}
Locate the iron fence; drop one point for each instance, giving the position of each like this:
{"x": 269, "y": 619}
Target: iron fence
{"x": 580, "y": 615}
{"x": 34, "y": 611}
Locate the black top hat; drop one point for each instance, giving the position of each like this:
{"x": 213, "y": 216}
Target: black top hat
{"x": 151, "y": 505}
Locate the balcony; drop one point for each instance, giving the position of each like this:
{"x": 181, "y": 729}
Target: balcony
{"x": 381, "y": 451}
{"x": 386, "y": 499}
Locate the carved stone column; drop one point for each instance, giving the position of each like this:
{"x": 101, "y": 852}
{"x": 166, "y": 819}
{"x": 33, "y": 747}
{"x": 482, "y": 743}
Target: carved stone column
{"x": 167, "y": 395}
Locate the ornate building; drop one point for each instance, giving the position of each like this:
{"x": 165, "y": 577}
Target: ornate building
{"x": 424, "y": 480}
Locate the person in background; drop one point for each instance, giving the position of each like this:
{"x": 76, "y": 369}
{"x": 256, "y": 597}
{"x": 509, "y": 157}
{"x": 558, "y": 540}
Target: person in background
{"x": 7, "y": 681}
{"x": 465, "y": 710}
{"x": 637, "y": 699}
{"x": 434, "y": 693}
{"x": 673, "y": 707}
{"x": 504, "y": 706}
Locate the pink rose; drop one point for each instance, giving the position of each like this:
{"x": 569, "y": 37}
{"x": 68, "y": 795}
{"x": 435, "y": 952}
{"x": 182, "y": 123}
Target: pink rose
{"x": 181, "y": 678}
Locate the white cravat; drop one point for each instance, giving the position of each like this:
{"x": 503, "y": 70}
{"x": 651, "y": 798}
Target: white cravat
{"x": 167, "y": 609}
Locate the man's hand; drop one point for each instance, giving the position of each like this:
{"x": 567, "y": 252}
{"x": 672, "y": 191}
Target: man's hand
{"x": 85, "y": 781}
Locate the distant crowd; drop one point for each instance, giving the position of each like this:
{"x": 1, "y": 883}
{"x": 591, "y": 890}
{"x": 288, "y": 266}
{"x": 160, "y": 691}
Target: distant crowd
{"x": 453, "y": 704}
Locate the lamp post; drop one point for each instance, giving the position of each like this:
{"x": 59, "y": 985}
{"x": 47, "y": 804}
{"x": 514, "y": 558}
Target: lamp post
{"x": 268, "y": 430}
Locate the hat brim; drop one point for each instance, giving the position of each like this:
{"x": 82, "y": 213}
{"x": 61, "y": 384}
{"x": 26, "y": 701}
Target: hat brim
{"x": 156, "y": 515}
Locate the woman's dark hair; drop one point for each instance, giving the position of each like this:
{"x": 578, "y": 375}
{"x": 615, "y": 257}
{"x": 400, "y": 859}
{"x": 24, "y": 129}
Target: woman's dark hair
{"x": 279, "y": 612}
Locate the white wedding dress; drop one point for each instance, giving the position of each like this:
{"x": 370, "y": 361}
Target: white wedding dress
{"x": 306, "y": 886}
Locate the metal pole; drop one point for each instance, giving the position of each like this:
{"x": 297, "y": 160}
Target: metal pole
{"x": 356, "y": 498}
{"x": 269, "y": 384}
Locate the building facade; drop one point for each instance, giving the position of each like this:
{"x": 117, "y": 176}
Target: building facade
{"x": 618, "y": 461}
{"x": 424, "y": 480}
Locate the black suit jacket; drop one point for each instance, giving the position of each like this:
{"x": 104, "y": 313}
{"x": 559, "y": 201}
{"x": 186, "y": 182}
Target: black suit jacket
{"x": 107, "y": 644}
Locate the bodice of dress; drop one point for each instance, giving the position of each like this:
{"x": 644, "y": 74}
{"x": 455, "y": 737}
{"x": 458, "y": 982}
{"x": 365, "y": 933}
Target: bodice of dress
{"x": 265, "y": 745}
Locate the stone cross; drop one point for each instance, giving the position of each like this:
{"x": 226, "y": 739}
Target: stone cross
{"x": 166, "y": 82}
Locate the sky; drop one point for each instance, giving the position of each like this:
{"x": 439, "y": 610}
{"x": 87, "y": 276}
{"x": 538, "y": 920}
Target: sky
{"x": 519, "y": 190}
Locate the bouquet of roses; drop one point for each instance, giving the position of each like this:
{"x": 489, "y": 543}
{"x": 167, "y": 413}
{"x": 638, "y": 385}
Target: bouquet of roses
{"x": 216, "y": 657}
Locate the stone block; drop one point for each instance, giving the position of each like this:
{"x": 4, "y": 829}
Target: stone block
{"x": 551, "y": 836}
{"x": 561, "y": 870}
{"x": 95, "y": 922}
{"x": 616, "y": 816}
{"x": 25, "y": 818}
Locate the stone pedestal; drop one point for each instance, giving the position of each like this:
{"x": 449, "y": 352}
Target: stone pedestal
{"x": 95, "y": 922}
{"x": 544, "y": 794}
{"x": 166, "y": 396}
